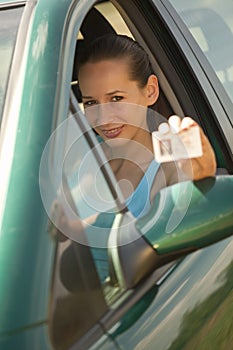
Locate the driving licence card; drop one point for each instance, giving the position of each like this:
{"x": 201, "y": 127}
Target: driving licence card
{"x": 171, "y": 147}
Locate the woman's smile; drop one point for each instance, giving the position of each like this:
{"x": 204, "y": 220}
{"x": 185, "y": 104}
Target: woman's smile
{"x": 113, "y": 132}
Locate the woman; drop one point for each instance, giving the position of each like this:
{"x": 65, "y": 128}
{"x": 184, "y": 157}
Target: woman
{"x": 117, "y": 86}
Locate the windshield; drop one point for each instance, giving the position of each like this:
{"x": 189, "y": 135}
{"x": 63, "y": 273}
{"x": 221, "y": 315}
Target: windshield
{"x": 211, "y": 24}
{"x": 9, "y": 22}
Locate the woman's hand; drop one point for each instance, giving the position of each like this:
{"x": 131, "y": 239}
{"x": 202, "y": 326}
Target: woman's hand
{"x": 200, "y": 167}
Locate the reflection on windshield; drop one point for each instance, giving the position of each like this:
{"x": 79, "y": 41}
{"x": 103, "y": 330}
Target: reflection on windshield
{"x": 211, "y": 24}
{"x": 9, "y": 22}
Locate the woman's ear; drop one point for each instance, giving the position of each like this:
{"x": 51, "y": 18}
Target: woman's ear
{"x": 152, "y": 89}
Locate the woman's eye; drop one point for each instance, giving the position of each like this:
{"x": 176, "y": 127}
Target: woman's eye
{"x": 117, "y": 98}
{"x": 89, "y": 103}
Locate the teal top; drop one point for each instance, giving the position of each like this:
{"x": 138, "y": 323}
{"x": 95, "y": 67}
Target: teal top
{"x": 139, "y": 201}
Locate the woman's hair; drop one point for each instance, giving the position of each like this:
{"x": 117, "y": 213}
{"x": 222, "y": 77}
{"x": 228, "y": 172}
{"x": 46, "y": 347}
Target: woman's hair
{"x": 113, "y": 46}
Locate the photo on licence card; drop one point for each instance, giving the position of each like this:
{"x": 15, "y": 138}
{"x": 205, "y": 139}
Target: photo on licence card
{"x": 171, "y": 147}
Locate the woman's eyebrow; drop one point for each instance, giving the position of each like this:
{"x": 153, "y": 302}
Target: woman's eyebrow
{"x": 107, "y": 94}
{"x": 114, "y": 92}
{"x": 87, "y": 97}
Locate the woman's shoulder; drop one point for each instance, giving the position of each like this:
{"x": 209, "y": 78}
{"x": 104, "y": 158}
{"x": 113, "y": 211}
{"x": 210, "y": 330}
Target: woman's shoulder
{"x": 166, "y": 175}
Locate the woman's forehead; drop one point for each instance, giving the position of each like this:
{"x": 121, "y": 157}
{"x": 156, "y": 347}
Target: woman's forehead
{"x": 104, "y": 72}
{"x": 106, "y": 64}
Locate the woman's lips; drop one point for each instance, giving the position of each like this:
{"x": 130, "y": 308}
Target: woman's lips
{"x": 113, "y": 132}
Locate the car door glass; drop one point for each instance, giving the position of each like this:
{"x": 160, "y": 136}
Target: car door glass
{"x": 9, "y": 22}
{"x": 84, "y": 200}
{"x": 211, "y": 25}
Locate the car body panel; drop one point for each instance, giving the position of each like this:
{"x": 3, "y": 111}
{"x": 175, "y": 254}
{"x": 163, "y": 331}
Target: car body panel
{"x": 35, "y": 337}
{"x": 25, "y": 215}
{"x": 187, "y": 318}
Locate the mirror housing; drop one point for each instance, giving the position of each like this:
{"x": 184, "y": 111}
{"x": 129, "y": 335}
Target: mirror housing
{"x": 183, "y": 218}
{"x": 193, "y": 216}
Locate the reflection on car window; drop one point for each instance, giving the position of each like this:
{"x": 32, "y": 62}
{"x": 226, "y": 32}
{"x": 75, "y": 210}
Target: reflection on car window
{"x": 93, "y": 200}
{"x": 70, "y": 174}
{"x": 211, "y": 24}
{"x": 85, "y": 179}
{"x": 80, "y": 199}
{"x": 9, "y": 22}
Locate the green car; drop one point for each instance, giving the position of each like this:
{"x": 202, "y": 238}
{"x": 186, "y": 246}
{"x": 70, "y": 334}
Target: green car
{"x": 163, "y": 281}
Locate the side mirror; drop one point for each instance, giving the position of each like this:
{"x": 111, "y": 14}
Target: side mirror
{"x": 208, "y": 216}
{"x": 183, "y": 218}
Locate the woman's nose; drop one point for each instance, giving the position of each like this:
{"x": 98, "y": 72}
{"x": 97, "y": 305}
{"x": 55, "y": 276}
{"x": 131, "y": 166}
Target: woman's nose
{"x": 101, "y": 114}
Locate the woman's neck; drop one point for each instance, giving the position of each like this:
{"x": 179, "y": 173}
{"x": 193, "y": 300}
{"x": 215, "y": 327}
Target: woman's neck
{"x": 129, "y": 160}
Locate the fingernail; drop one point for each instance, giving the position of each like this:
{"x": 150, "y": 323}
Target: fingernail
{"x": 164, "y": 128}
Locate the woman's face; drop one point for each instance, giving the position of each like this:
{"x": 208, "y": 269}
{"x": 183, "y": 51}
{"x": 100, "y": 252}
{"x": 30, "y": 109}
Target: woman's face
{"x": 115, "y": 105}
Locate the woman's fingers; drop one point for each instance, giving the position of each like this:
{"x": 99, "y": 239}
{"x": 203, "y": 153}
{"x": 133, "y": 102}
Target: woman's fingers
{"x": 174, "y": 122}
{"x": 187, "y": 123}
{"x": 164, "y": 128}
{"x": 194, "y": 168}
